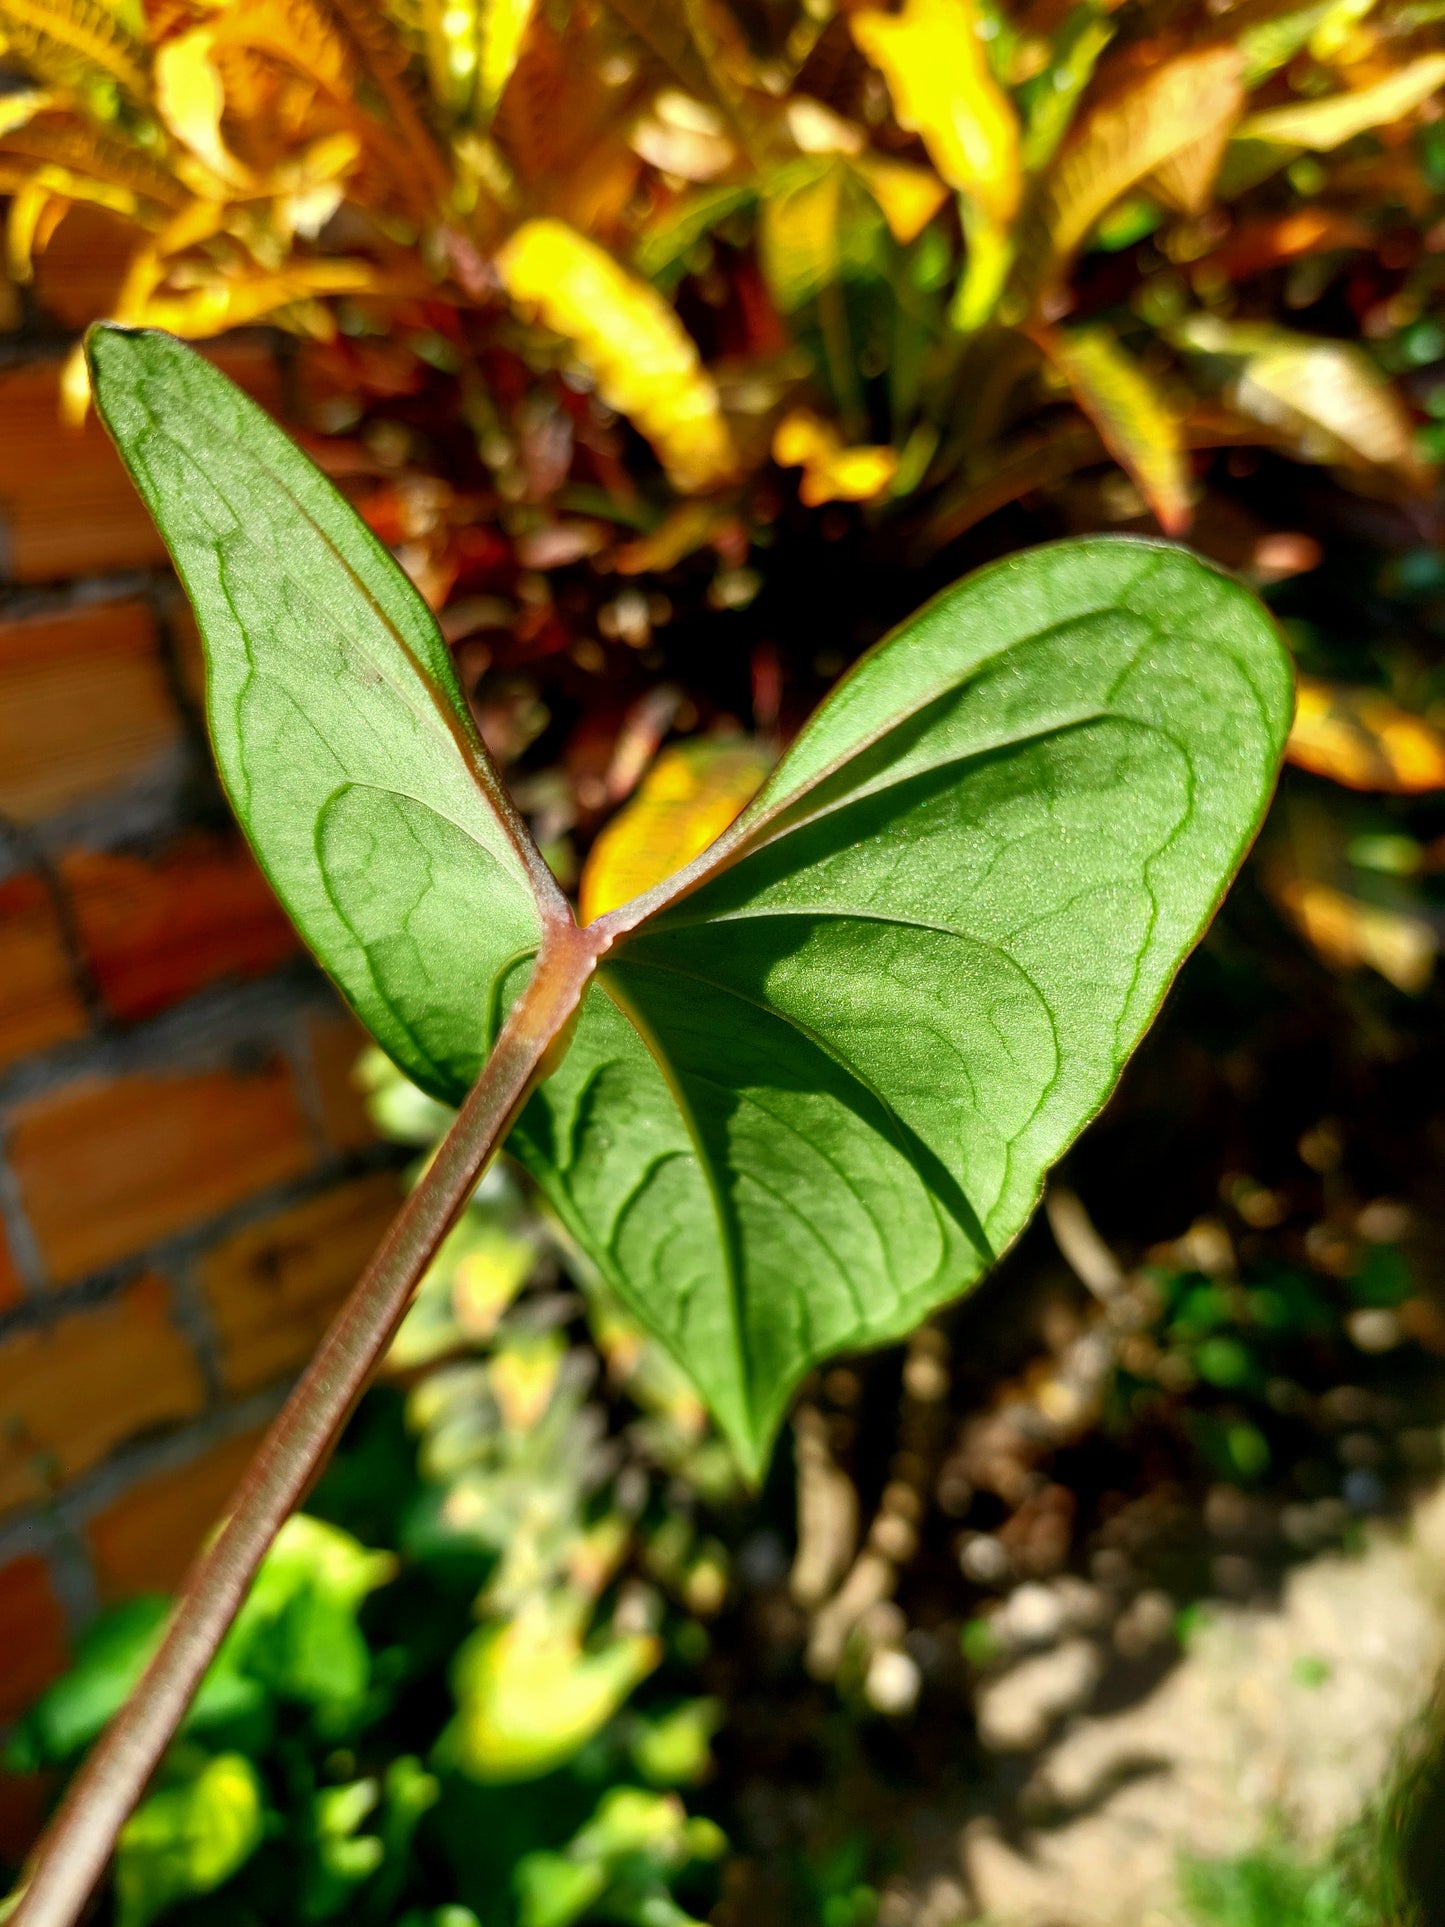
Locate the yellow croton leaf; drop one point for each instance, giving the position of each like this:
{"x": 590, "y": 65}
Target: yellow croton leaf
{"x": 1165, "y": 113}
{"x": 24, "y": 227}
{"x": 908, "y": 196}
{"x": 191, "y": 101}
{"x": 831, "y": 471}
{"x": 300, "y": 33}
{"x": 472, "y": 49}
{"x": 21, "y": 106}
{"x": 502, "y": 29}
{"x": 1326, "y": 397}
{"x": 684, "y": 803}
{"x": 1365, "y": 740}
{"x": 63, "y": 38}
{"x": 645, "y": 363}
{"x": 1185, "y": 181}
{"x": 197, "y": 313}
{"x": 1348, "y": 933}
{"x": 1135, "y": 421}
{"x": 1329, "y": 123}
{"x": 934, "y": 60}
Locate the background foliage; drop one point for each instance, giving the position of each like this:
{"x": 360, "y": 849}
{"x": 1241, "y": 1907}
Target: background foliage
{"x": 677, "y": 351}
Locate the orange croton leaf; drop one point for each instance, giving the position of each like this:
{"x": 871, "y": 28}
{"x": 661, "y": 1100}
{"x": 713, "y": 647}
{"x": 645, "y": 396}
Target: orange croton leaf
{"x": 1364, "y": 740}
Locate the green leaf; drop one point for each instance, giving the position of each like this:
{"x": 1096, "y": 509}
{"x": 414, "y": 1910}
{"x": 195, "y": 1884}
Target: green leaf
{"x": 530, "y": 1693}
{"x": 187, "y": 1840}
{"x": 111, "y": 1657}
{"x": 817, "y": 1080}
{"x": 817, "y": 1096}
{"x": 339, "y": 727}
{"x": 297, "y": 1631}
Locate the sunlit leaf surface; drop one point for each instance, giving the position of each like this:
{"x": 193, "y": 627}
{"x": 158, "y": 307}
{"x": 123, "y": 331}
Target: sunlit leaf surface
{"x": 932, "y": 56}
{"x": 1136, "y": 423}
{"x": 1323, "y": 124}
{"x": 645, "y": 363}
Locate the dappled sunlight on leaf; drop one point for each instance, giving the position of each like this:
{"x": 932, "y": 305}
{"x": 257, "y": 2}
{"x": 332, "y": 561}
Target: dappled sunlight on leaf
{"x": 1329, "y": 122}
{"x": 1137, "y": 425}
{"x": 1326, "y": 397}
{"x": 932, "y": 55}
{"x": 646, "y": 365}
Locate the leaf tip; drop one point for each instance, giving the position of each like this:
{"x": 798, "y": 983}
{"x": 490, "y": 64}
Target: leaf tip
{"x": 110, "y": 351}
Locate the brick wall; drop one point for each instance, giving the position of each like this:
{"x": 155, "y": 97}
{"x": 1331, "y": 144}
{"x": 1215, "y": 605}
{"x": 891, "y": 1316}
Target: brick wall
{"x": 187, "y": 1182}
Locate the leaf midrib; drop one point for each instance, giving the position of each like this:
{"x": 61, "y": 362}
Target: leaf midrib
{"x": 918, "y": 1153}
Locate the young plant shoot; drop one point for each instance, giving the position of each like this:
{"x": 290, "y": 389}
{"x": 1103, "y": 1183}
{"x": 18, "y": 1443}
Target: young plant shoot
{"x": 792, "y": 1099}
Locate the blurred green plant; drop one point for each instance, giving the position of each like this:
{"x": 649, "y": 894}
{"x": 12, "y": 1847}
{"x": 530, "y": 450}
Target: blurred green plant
{"x": 1215, "y": 1354}
{"x": 448, "y": 1732}
{"x": 1273, "y": 1890}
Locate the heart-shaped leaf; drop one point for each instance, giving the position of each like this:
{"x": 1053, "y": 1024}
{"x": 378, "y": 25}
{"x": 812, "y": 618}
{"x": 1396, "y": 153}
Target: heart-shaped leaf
{"x": 816, "y": 1082}
{"x": 815, "y": 1089}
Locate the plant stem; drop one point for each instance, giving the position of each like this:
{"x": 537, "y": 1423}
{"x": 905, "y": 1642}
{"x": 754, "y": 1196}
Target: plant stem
{"x": 74, "y": 1850}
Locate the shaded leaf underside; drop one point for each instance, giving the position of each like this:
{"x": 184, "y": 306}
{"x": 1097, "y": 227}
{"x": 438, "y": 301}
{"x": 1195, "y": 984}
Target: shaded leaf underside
{"x": 818, "y": 1096}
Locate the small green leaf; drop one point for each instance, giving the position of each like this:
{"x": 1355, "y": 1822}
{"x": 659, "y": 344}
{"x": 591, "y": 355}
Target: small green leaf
{"x": 529, "y": 1693}
{"x": 297, "y": 1633}
{"x": 110, "y": 1659}
{"x": 187, "y": 1840}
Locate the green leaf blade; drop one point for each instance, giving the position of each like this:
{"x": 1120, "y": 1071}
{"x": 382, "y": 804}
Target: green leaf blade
{"x": 341, "y": 734}
{"x": 820, "y": 1076}
{"x": 909, "y": 976}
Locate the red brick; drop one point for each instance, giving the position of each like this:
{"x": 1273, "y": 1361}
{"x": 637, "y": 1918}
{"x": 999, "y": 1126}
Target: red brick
{"x": 33, "y": 1643}
{"x": 9, "y": 1277}
{"x": 83, "y": 704}
{"x": 73, "y": 1392}
{"x": 67, "y": 506}
{"x": 106, "y": 1167}
{"x": 145, "y": 1541}
{"x": 273, "y": 1287}
{"x": 39, "y": 1003}
{"x": 337, "y": 1041}
{"x": 155, "y": 930}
